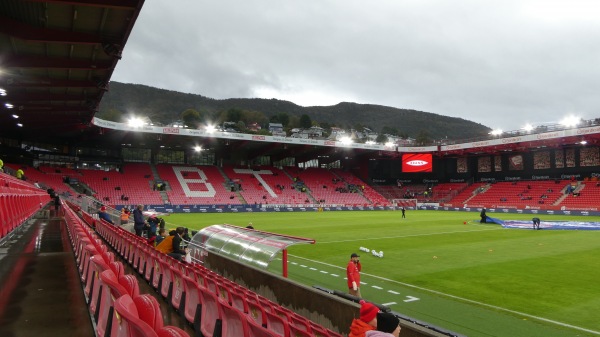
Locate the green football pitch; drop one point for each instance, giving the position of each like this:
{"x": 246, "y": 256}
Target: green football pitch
{"x": 474, "y": 279}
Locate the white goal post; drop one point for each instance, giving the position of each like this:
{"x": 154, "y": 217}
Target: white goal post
{"x": 406, "y": 203}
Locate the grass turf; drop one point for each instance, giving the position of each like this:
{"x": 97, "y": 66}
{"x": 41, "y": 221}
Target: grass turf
{"x": 475, "y": 279}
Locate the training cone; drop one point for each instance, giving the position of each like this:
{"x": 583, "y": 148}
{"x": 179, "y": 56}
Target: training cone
{"x": 464, "y": 222}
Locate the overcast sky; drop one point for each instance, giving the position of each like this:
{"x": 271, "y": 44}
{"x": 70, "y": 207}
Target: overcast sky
{"x": 499, "y": 63}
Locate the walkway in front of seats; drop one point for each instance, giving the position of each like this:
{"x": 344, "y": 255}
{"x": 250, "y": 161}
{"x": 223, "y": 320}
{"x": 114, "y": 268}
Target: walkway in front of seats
{"x": 40, "y": 291}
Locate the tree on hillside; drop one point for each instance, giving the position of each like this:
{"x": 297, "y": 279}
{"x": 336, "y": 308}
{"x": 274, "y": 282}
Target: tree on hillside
{"x": 113, "y": 115}
{"x": 234, "y": 115}
{"x": 381, "y": 138}
{"x": 305, "y": 121}
{"x": 390, "y": 130}
{"x": 422, "y": 138}
{"x": 191, "y": 118}
{"x": 282, "y": 118}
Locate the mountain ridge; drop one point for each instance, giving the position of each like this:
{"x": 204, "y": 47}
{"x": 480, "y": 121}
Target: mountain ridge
{"x": 166, "y": 106}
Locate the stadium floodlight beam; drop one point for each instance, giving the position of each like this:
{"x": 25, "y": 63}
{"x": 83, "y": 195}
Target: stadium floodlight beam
{"x": 135, "y": 122}
{"x": 346, "y": 140}
{"x": 389, "y": 144}
{"x": 210, "y": 128}
{"x": 15, "y": 116}
{"x": 496, "y": 132}
{"x": 570, "y": 121}
{"x": 197, "y": 148}
{"x": 8, "y": 105}
{"x": 583, "y": 142}
{"x": 528, "y": 127}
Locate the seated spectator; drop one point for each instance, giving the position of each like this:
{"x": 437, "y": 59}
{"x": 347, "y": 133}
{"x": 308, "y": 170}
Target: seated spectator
{"x": 387, "y": 325}
{"x": 21, "y": 174}
{"x": 367, "y": 320}
{"x": 104, "y": 216}
{"x": 166, "y": 244}
{"x": 178, "y": 250}
{"x": 162, "y": 234}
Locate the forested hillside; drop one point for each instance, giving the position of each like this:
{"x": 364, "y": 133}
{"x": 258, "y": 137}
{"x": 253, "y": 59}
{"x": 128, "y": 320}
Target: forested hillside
{"x": 165, "y": 106}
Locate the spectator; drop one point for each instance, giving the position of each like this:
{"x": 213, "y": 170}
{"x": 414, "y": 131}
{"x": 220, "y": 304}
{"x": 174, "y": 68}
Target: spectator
{"x": 56, "y": 202}
{"x": 178, "y": 250}
{"x": 104, "y": 216}
{"x": 367, "y": 320}
{"x": 153, "y": 223}
{"x": 162, "y": 234}
{"x": 1, "y": 166}
{"x": 138, "y": 220}
{"x": 166, "y": 244}
{"x": 20, "y": 174}
{"x": 387, "y": 325}
{"x": 124, "y": 216}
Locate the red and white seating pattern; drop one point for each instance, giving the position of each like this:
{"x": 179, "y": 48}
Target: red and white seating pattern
{"x": 196, "y": 185}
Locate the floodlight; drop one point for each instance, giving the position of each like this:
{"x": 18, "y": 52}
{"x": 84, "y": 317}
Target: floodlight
{"x": 370, "y": 142}
{"x": 583, "y": 142}
{"x": 2, "y": 92}
{"x": 570, "y": 121}
{"x": 15, "y": 116}
{"x": 135, "y": 122}
{"x": 20, "y": 125}
{"x": 496, "y": 132}
{"x": 389, "y": 144}
{"x": 197, "y": 148}
{"x": 528, "y": 127}
{"x": 210, "y": 128}
{"x": 8, "y": 105}
{"x": 346, "y": 140}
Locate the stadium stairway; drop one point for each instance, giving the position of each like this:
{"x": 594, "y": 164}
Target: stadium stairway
{"x": 40, "y": 293}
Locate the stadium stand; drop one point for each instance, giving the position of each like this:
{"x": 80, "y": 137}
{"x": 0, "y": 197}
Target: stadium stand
{"x": 134, "y": 182}
{"x": 367, "y": 191}
{"x": 521, "y": 194}
{"x": 196, "y": 185}
{"x": 325, "y": 187}
{"x": 265, "y": 185}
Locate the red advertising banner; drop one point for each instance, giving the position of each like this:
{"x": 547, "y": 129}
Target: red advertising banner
{"x": 417, "y": 162}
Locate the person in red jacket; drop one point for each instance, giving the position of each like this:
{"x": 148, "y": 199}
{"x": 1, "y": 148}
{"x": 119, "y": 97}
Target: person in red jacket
{"x": 367, "y": 320}
{"x": 353, "y": 275}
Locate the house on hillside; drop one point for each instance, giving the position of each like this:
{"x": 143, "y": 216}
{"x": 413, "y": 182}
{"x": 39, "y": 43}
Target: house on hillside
{"x": 276, "y": 129}
{"x": 254, "y": 127}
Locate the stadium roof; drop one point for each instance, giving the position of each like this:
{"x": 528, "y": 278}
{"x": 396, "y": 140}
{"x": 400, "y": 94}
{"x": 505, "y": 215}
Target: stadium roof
{"x": 56, "y": 60}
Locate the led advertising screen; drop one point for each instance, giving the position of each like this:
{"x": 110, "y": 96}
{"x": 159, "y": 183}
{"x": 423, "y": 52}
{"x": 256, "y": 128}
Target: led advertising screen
{"x": 417, "y": 162}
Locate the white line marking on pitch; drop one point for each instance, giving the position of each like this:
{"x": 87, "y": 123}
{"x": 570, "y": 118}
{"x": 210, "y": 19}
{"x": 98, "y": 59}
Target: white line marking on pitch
{"x": 303, "y": 266}
{"x": 324, "y": 272}
{"x": 412, "y": 236}
{"x": 411, "y": 299}
{"x": 334, "y": 275}
{"x": 393, "y": 292}
{"x": 376, "y": 287}
{"x": 311, "y": 268}
{"x": 461, "y": 298}
{"x": 294, "y": 263}
{"x": 389, "y": 303}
